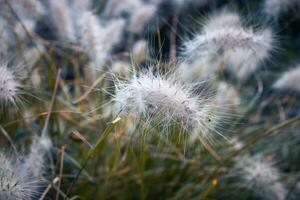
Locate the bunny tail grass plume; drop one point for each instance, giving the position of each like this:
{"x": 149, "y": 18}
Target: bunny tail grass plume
{"x": 224, "y": 42}
{"x": 223, "y": 110}
{"x": 226, "y": 102}
{"x": 141, "y": 17}
{"x": 223, "y": 19}
{"x": 290, "y": 80}
{"x": 262, "y": 177}
{"x": 217, "y": 41}
{"x": 9, "y": 86}
{"x": 33, "y": 164}
{"x": 27, "y": 9}
{"x": 161, "y": 100}
{"x": 139, "y": 51}
{"x": 62, "y": 19}
{"x": 13, "y": 185}
{"x": 274, "y": 8}
{"x": 116, "y": 8}
{"x": 251, "y": 59}
{"x": 98, "y": 39}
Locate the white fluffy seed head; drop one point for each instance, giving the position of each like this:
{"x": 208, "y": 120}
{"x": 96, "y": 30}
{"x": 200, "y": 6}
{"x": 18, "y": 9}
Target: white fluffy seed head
{"x": 9, "y": 86}
{"x": 289, "y": 80}
{"x": 161, "y": 99}
{"x": 224, "y": 43}
{"x": 251, "y": 59}
{"x": 116, "y": 8}
{"x": 28, "y": 9}
{"x": 98, "y": 39}
{"x": 227, "y": 95}
{"x": 61, "y": 14}
{"x": 12, "y": 183}
{"x": 139, "y": 51}
{"x": 33, "y": 164}
{"x": 120, "y": 68}
{"x": 218, "y": 41}
{"x": 274, "y": 8}
{"x": 141, "y": 17}
{"x": 223, "y": 19}
{"x": 221, "y": 112}
{"x": 261, "y": 176}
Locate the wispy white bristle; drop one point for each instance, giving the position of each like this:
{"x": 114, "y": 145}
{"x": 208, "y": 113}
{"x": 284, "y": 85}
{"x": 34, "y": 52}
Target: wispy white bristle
{"x": 289, "y": 80}
{"x": 221, "y": 111}
{"x": 222, "y": 19}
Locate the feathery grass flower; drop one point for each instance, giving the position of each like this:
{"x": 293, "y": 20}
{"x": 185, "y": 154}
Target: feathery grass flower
{"x": 289, "y": 80}
{"x": 224, "y": 19}
{"x": 61, "y": 14}
{"x": 217, "y": 41}
{"x": 22, "y": 177}
{"x": 34, "y": 162}
{"x": 224, "y": 42}
{"x": 99, "y": 39}
{"x": 12, "y": 183}
{"x": 141, "y": 17}
{"x": 9, "y": 86}
{"x": 274, "y": 8}
{"x": 163, "y": 100}
{"x": 261, "y": 176}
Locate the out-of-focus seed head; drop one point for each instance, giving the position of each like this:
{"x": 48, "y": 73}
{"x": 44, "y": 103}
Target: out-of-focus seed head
{"x": 141, "y": 17}
{"x": 261, "y": 176}
{"x": 99, "y": 39}
{"x": 33, "y": 164}
{"x": 274, "y": 8}
{"x": 289, "y": 80}
{"x": 61, "y": 14}
{"x": 224, "y": 42}
{"x": 139, "y": 51}
{"x": 116, "y": 8}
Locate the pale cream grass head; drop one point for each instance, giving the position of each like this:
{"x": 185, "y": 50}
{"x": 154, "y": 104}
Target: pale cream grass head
{"x": 262, "y": 177}
{"x": 225, "y": 42}
{"x": 275, "y": 8}
{"x": 116, "y": 8}
{"x": 13, "y": 185}
{"x": 161, "y": 100}
{"x": 289, "y": 80}
{"x": 141, "y": 17}
{"x": 98, "y": 39}
{"x": 61, "y": 14}
{"x": 9, "y": 85}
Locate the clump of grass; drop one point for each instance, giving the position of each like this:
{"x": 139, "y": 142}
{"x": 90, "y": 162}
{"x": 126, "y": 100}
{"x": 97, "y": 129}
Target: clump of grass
{"x": 127, "y": 107}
